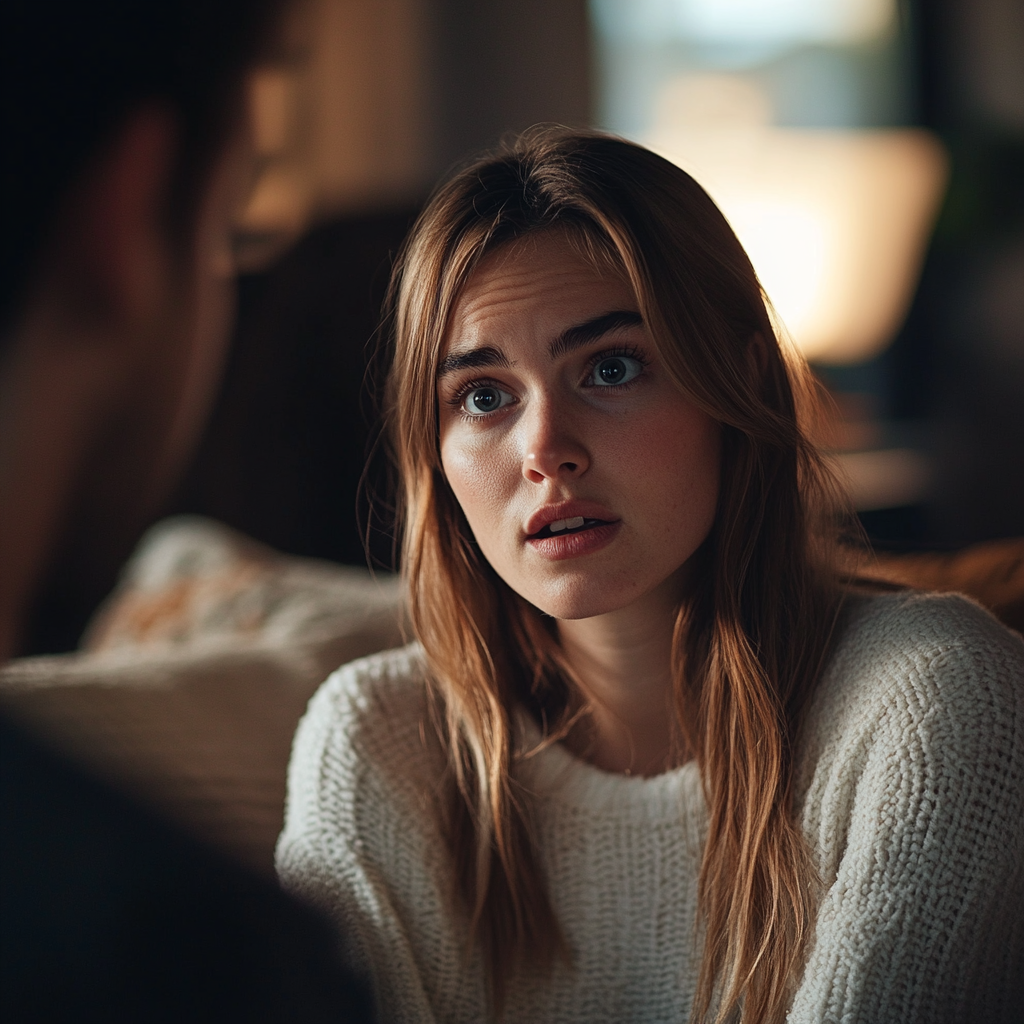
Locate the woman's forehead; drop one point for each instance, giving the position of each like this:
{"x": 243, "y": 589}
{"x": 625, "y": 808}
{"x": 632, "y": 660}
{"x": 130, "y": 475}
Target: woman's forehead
{"x": 545, "y": 269}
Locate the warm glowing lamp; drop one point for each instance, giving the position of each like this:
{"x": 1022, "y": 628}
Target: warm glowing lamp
{"x": 835, "y": 222}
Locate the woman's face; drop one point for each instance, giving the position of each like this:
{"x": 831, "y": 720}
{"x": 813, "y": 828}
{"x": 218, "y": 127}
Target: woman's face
{"x": 587, "y": 478}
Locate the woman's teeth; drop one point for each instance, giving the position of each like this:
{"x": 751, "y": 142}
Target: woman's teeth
{"x": 560, "y": 526}
{"x": 566, "y": 524}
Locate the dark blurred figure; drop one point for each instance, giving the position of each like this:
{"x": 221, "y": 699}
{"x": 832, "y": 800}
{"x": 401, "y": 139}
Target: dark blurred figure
{"x": 125, "y": 155}
{"x": 110, "y": 915}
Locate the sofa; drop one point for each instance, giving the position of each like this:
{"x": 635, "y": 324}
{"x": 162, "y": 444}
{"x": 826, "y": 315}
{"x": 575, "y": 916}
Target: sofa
{"x": 192, "y": 676}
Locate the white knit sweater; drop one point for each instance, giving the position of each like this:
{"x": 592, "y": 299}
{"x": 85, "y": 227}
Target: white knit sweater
{"x": 911, "y": 783}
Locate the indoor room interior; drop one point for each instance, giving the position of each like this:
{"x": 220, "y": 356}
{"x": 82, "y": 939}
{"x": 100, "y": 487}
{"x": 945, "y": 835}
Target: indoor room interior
{"x": 868, "y": 153}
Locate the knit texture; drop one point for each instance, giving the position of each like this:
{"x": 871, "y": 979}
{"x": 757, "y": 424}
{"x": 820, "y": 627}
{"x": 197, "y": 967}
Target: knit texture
{"x": 911, "y": 794}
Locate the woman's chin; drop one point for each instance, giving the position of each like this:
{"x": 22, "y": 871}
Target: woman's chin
{"x": 586, "y": 596}
{"x": 578, "y": 603}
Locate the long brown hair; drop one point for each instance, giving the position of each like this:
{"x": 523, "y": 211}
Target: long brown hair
{"x": 748, "y": 646}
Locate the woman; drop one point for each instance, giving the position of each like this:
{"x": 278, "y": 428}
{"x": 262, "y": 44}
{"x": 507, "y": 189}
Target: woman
{"x": 652, "y": 758}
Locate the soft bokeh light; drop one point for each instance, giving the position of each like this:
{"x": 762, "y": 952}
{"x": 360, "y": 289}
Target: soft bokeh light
{"x": 835, "y": 222}
{"x": 750, "y": 22}
{"x": 833, "y": 21}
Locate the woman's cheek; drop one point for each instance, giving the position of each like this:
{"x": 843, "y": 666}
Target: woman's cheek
{"x": 479, "y": 471}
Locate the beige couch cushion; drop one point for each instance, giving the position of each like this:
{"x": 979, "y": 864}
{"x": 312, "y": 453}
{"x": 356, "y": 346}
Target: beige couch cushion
{"x": 196, "y": 671}
{"x": 193, "y": 581}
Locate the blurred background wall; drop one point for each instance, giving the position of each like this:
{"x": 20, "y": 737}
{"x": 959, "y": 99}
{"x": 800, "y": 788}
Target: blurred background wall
{"x": 374, "y": 99}
{"x": 922, "y": 342}
{"x": 382, "y": 96}
{"x": 959, "y": 361}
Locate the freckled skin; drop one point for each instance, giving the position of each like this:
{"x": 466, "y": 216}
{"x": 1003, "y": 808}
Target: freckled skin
{"x": 641, "y": 449}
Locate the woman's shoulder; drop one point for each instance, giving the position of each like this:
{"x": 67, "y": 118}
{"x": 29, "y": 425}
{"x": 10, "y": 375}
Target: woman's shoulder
{"x": 932, "y": 614}
{"x": 363, "y": 837}
{"x": 367, "y": 728}
{"x": 932, "y": 669}
{"x": 911, "y": 792}
{"x": 381, "y": 690}
{"x": 888, "y": 642}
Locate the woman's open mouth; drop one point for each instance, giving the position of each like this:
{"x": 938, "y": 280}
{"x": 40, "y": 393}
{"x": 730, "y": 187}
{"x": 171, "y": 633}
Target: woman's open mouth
{"x": 572, "y": 537}
{"x": 560, "y": 527}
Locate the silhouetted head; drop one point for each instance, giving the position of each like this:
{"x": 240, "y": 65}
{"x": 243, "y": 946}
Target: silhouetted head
{"x": 72, "y": 72}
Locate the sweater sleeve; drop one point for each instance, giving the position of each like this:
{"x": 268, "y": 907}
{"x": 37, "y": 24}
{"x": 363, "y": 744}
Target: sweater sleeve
{"x": 360, "y": 840}
{"x": 916, "y": 810}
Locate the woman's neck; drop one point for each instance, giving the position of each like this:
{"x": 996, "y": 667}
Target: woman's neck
{"x": 622, "y": 661}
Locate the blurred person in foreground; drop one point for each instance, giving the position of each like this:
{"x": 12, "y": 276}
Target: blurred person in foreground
{"x": 126, "y": 155}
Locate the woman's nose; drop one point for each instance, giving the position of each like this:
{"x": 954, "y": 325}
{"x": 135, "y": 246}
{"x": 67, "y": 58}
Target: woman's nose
{"x": 553, "y": 447}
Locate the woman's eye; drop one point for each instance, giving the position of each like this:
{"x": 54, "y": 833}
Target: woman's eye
{"x": 614, "y": 370}
{"x": 481, "y": 401}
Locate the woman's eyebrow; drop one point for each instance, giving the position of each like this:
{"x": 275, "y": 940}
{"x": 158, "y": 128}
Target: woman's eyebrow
{"x": 571, "y": 338}
{"x": 473, "y": 360}
{"x": 591, "y": 330}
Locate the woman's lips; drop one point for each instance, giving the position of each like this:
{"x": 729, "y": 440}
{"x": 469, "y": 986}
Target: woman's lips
{"x": 569, "y": 525}
{"x": 574, "y": 541}
{"x": 562, "y": 516}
